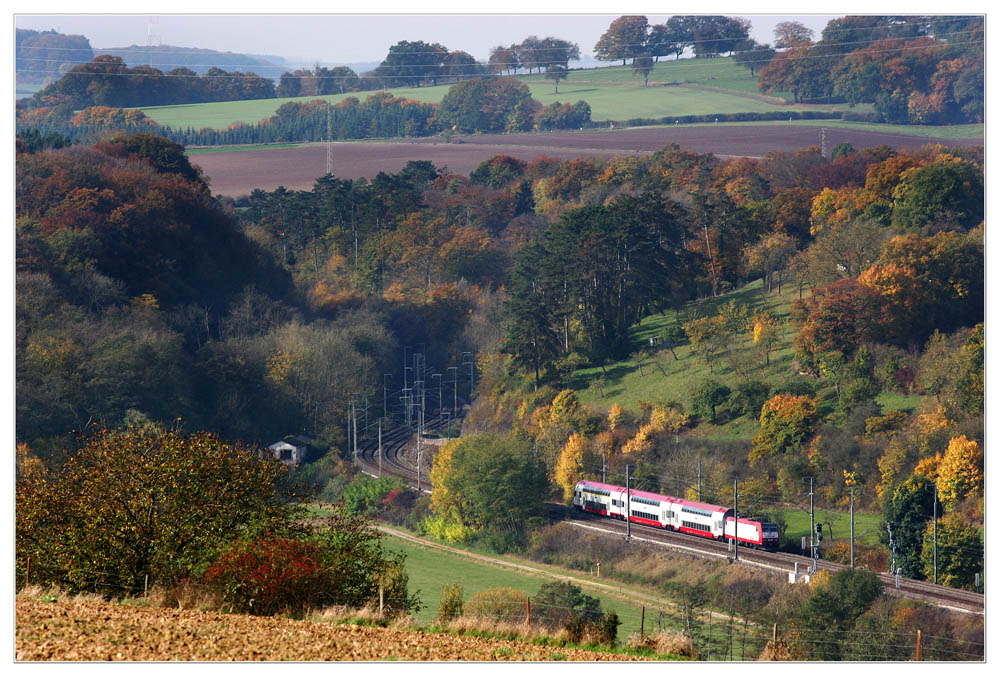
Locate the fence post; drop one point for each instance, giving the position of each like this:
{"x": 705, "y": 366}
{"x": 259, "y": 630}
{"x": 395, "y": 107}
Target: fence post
{"x": 642, "y": 623}
{"x": 528, "y": 601}
{"x": 145, "y": 588}
{"x": 774, "y": 633}
{"x": 918, "y": 645}
{"x": 381, "y": 598}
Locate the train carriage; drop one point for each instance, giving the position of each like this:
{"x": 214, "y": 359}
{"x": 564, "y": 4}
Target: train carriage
{"x": 677, "y": 514}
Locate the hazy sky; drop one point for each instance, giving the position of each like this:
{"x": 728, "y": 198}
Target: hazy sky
{"x": 349, "y": 39}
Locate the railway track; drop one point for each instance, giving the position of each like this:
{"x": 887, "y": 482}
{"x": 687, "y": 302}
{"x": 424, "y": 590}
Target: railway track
{"x": 394, "y": 464}
{"x": 393, "y": 461}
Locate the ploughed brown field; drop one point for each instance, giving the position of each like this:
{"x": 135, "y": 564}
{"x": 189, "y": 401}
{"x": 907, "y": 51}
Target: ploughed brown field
{"x": 238, "y": 173}
{"x": 99, "y": 631}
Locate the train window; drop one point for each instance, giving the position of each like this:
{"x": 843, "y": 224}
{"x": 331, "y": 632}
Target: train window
{"x": 697, "y": 511}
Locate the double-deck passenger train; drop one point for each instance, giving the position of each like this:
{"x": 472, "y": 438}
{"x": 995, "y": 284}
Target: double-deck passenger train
{"x": 677, "y": 514}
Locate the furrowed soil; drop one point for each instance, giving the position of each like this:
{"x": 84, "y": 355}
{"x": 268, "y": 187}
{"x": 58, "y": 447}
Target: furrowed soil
{"x": 238, "y": 173}
{"x": 99, "y": 631}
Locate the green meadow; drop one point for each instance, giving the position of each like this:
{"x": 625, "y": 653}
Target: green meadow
{"x": 430, "y": 569}
{"x": 685, "y": 87}
{"x": 664, "y": 379}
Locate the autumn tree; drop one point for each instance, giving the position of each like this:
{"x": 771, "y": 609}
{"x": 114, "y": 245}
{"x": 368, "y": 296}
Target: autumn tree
{"x": 570, "y": 468}
{"x": 145, "y": 501}
{"x": 504, "y": 59}
{"x": 786, "y": 423}
{"x": 933, "y": 283}
{"x": 708, "y": 337}
{"x": 769, "y": 257}
{"x": 961, "y": 471}
{"x": 766, "y": 334}
{"x": 838, "y": 318}
{"x": 616, "y": 416}
{"x": 624, "y": 39}
{"x": 803, "y": 70}
{"x": 488, "y": 482}
{"x": 482, "y": 105}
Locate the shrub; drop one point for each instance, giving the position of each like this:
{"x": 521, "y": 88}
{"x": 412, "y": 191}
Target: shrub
{"x": 796, "y": 385}
{"x": 344, "y": 564}
{"x": 267, "y": 576}
{"x": 562, "y": 604}
{"x": 499, "y": 605}
{"x": 366, "y": 495}
{"x": 420, "y": 511}
{"x": 706, "y": 397}
{"x": 665, "y": 642}
{"x": 451, "y": 603}
{"x": 749, "y": 398}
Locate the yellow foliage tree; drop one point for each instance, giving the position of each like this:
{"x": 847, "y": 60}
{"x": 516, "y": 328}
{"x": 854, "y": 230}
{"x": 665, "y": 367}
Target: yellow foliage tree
{"x": 933, "y": 422}
{"x": 960, "y": 473}
{"x": 643, "y": 441}
{"x": 676, "y": 420}
{"x": 443, "y": 464}
{"x": 604, "y": 444}
{"x": 616, "y": 416}
{"x": 766, "y": 333}
{"x": 928, "y": 467}
{"x": 569, "y": 468}
{"x": 890, "y": 464}
{"x": 565, "y": 405}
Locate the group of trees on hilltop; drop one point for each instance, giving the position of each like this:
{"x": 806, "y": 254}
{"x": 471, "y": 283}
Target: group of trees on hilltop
{"x": 472, "y": 105}
{"x": 534, "y": 54}
{"x": 631, "y": 37}
{"x": 504, "y": 105}
{"x": 919, "y": 70}
{"x": 412, "y": 64}
{"x": 108, "y": 81}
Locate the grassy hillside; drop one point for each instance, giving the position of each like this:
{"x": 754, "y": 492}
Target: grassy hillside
{"x": 430, "y": 569}
{"x": 665, "y": 379}
{"x": 685, "y": 87}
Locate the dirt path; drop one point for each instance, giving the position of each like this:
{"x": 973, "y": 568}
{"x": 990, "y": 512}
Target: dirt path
{"x": 613, "y": 589}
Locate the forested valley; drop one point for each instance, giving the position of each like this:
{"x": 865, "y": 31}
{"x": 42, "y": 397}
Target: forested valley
{"x": 142, "y": 299}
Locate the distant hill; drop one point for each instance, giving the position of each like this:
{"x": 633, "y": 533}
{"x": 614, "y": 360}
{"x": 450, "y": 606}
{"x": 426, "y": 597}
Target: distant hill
{"x": 46, "y": 55}
{"x": 168, "y": 57}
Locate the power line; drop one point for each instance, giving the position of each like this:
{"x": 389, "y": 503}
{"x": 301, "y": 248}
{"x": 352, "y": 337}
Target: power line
{"x": 517, "y": 48}
{"x": 373, "y": 75}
